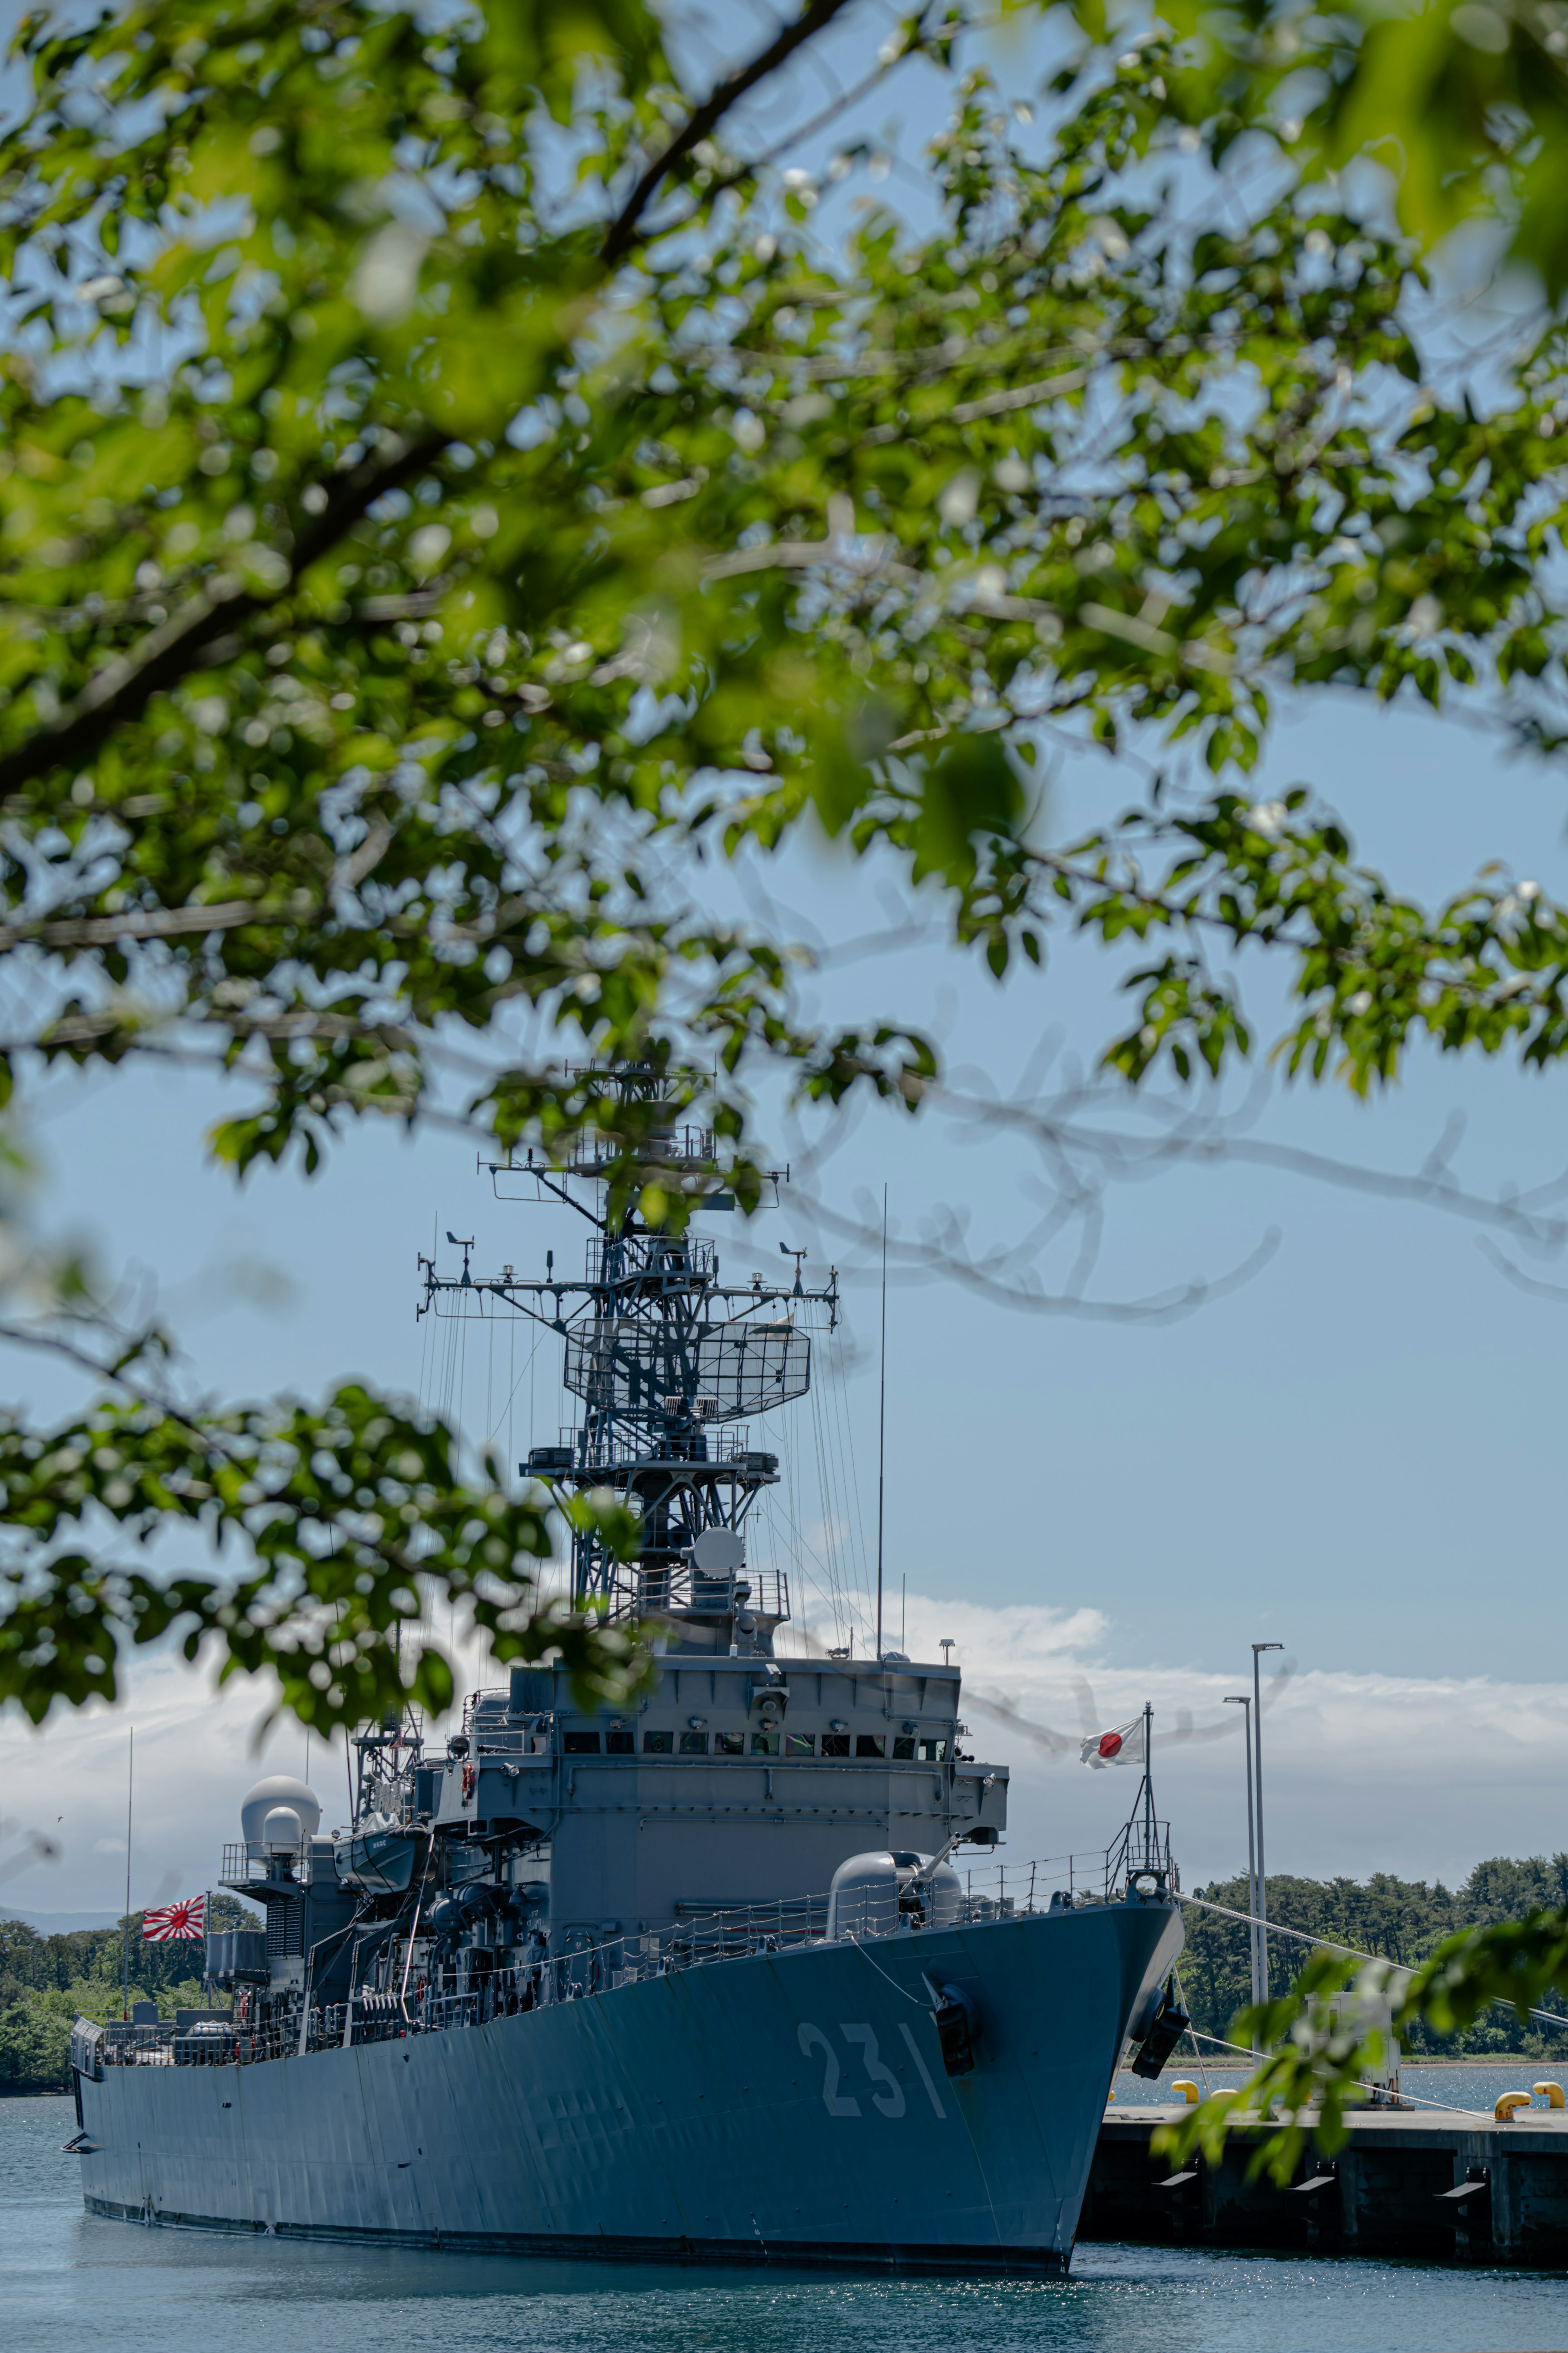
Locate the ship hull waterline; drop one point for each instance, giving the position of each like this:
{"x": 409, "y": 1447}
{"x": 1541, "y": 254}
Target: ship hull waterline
{"x": 788, "y": 2108}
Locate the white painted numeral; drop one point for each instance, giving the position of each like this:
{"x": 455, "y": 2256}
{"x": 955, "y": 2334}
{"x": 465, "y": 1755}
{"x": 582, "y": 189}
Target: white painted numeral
{"x": 925, "y": 2073}
{"x": 891, "y": 2101}
{"x": 812, "y": 2038}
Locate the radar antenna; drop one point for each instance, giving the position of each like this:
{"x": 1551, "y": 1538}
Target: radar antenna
{"x": 668, "y": 1362}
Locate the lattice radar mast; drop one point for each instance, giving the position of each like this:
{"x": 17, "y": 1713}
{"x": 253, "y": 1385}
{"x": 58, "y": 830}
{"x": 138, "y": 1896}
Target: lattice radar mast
{"x": 670, "y": 1363}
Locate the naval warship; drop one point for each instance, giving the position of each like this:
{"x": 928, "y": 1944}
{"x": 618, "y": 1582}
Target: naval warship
{"x": 739, "y": 1972}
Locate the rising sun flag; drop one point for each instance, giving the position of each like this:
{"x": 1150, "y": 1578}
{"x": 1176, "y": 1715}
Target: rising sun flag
{"x": 167, "y": 1921}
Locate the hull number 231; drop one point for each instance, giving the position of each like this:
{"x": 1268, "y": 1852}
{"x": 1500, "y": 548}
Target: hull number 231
{"x": 888, "y": 2093}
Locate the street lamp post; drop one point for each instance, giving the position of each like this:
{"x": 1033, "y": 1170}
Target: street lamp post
{"x": 1262, "y": 1905}
{"x": 1238, "y": 1699}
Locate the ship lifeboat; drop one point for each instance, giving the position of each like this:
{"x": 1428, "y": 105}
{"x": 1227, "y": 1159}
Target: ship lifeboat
{"x": 384, "y": 1862}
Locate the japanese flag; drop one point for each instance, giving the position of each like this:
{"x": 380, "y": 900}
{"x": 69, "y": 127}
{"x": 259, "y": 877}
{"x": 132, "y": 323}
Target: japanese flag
{"x": 1108, "y": 1747}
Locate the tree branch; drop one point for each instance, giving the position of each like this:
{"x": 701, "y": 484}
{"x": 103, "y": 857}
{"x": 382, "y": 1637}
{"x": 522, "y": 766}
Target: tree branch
{"x": 623, "y": 230}
{"x": 123, "y": 687}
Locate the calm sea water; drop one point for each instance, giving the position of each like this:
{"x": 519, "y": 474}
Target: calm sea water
{"x": 70, "y": 2282}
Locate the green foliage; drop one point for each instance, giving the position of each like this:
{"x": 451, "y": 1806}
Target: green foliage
{"x": 1405, "y": 1920}
{"x": 1464, "y": 101}
{"x": 1447, "y": 1961}
{"x": 346, "y": 1512}
{"x": 48, "y": 1981}
{"x": 35, "y": 2047}
{"x": 445, "y": 490}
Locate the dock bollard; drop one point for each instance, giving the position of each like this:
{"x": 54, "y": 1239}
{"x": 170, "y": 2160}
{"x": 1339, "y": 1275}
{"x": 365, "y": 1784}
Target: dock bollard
{"x": 1551, "y": 2093}
{"x": 1506, "y": 2104}
{"x": 1189, "y": 2091}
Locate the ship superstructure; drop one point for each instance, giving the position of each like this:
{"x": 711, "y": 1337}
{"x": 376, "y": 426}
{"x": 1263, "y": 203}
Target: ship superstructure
{"x": 684, "y": 1977}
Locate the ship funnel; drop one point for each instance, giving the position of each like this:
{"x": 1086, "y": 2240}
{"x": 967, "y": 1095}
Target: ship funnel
{"x": 278, "y": 1790}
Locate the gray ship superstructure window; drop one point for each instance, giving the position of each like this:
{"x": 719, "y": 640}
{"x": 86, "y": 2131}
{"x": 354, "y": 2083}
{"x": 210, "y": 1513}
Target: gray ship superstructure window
{"x": 932, "y": 1752}
{"x": 581, "y": 1743}
{"x": 801, "y": 1744}
{"x": 658, "y": 1743}
{"x": 835, "y": 1743}
{"x": 904, "y": 1746}
{"x": 764, "y": 1743}
{"x": 694, "y": 1744}
{"x": 619, "y": 1744}
{"x": 729, "y": 1744}
{"x": 870, "y": 1743}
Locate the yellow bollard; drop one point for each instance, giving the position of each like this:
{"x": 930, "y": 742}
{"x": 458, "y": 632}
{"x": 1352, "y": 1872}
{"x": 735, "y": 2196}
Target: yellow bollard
{"x": 1506, "y": 2104}
{"x": 1551, "y": 2093}
{"x": 1189, "y": 2091}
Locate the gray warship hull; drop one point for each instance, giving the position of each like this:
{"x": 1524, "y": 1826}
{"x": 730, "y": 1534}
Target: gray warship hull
{"x": 787, "y": 2107}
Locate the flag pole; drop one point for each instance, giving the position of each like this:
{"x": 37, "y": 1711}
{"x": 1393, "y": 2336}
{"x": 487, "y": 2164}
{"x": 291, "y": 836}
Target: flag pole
{"x": 130, "y": 1794}
{"x": 882, "y": 1427}
{"x": 1148, "y": 1789}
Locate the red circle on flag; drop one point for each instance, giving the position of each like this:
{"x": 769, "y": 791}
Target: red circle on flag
{"x": 1110, "y": 1743}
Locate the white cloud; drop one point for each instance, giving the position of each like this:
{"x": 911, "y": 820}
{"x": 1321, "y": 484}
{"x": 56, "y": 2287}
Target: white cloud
{"x": 1362, "y": 1772}
{"x": 196, "y": 1756}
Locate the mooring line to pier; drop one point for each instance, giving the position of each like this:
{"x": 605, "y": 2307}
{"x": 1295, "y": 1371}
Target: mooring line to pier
{"x": 1353, "y": 1952}
{"x": 881, "y": 1972}
{"x": 1414, "y": 2099}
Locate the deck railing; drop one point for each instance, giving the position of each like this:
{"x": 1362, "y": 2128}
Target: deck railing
{"x": 244, "y": 1867}
{"x": 471, "y": 1991}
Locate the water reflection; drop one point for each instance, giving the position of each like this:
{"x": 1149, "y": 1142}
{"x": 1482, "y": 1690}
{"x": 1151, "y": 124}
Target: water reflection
{"x": 70, "y": 2282}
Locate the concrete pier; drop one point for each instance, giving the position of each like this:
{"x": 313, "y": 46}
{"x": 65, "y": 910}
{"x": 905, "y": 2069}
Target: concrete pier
{"x": 1408, "y": 2182}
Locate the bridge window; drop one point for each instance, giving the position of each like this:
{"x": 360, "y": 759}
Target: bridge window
{"x": 619, "y": 1744}
{"x": 764, "y": 1743}
{"x": 729, "y": 1744}
{"x": 800, "y": 1743}
{"x": 870, "y": 1743}
{"x": 694, "y": 1744}
{"x": 581, "y": 1743}
{"x": 904, "y": 1745}
{"x": 657, "y": 1744}
{"x": 932, "y": 1752}
{"x": 835, "y": 1743}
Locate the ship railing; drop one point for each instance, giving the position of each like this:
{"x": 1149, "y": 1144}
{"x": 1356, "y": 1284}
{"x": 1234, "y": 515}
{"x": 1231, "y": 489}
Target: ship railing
{"x": 1065, "y": 1881}
{"x": 244, "y": 1867}
{"x": 670, "y": 1148}
{"x": 165, "y": 2046}
{"x": 460, "y": 1996}
{"x": 677, "y": 1586}
{"x": 693, "y": 1259}
{"x": 470, "y": 1990}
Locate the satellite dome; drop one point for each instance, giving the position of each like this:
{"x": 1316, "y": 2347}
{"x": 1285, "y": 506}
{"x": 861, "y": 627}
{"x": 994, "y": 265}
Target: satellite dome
{"x": 278, "y": 1790}
{"x": 716, "y": 1552}
{"x": 281, "y": 1832}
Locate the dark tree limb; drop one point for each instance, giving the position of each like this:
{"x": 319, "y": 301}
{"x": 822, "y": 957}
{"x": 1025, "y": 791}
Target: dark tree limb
{"x": 123, "y": 687}
{"x": 623, "y": 230}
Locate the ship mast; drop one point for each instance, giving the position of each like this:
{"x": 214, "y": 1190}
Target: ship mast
{"x": 670, "y": 1362}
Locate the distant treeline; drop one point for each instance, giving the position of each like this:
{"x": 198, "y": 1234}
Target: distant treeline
{"x": 1402, "y": 1919}
{"x": 47, "y": 1981}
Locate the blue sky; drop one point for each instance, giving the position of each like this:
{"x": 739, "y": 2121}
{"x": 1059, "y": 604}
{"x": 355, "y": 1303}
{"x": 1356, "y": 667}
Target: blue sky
{"x": 1356, "y": 1453}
